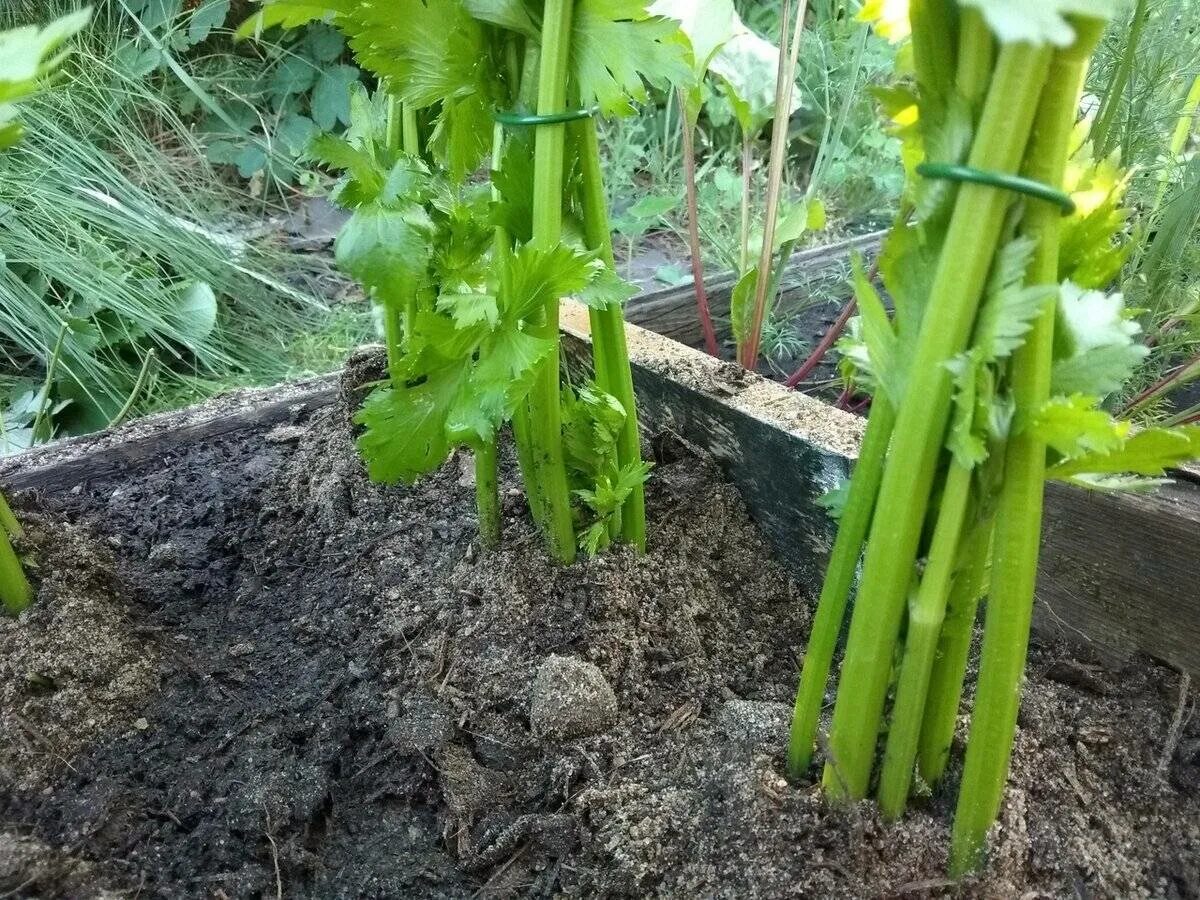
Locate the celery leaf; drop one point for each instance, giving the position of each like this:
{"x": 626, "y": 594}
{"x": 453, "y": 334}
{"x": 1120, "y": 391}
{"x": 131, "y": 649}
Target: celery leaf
{"x": 617, "y": 47}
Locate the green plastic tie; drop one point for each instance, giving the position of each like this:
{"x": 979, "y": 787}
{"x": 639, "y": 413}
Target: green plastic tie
{"x": 519, "y": 120}
{"x": 1027, "y": 186}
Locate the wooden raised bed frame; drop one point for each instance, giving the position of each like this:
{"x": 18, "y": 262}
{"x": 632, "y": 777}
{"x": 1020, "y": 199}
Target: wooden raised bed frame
{"x": 1117, "y": 574}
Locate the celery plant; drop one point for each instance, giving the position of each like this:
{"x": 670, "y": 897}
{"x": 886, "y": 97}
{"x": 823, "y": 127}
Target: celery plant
{"x": 481, "y": 273}
{"x": 988, "y": 381}
{"x": 27, "y": 56}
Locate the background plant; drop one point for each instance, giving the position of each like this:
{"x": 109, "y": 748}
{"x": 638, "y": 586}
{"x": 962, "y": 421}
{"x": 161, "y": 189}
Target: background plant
{"x": 109, "y": 261}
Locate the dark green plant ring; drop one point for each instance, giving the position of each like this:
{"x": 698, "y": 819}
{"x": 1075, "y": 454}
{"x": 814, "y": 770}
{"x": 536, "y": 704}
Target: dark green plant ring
{"x": 515, "y": 119}
{"x": 1027, "y": 186}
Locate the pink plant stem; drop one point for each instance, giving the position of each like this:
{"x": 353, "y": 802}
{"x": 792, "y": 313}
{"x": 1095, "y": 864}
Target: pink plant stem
{"x": 831, "y": 336}
{"x": 693, "y": 211}
{"x": 843, "y": 399}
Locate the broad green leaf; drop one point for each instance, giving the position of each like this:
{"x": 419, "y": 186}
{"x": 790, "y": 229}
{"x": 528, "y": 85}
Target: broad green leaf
{"x": 1073, "y": 426}
{"x": 536, "y": 276}
{"x": 26, "y": 55}
{"x": 747, "y": 67}
{"x": 1148, "y": 453}
{"x": 340, "y": 155}
{"x": 1094, "y": 347}
{"x": 406, "y": 435}
{"x": 250, "y": 160}
{"x": 295, "y": 75}
{"x": 502, "y": 378}
{"x": 208, "y": 15}
{"x": 194, "y": 315}
{"x": 797, "y": 219}
{"x": 1039, "y": 21}
{"x": 1009, "y": 309}
{"x": 388, "y": 250}
{"x": 741, "y": 304}
{"x": 330, "y": 101}
{"x": 1090, "y": 319}
{"x": 296, "y": 132}
{"x": 618, "y": 46}
{"x": 1099, "y": 371}
{"x": 325, "y": 44}
{"x": 607, "y": 288}
{"x": 470, "y": 309}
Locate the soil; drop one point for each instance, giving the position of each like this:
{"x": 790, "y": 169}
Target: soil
{"x": 252, "y": 673}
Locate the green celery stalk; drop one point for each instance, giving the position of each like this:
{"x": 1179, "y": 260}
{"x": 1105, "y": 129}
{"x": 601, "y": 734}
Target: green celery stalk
{"x": 925, "y": 616}
{"x": 1019, "y": 508}
{"x": 961, "y": 273}
{"x": 15, "y": 591}
{"x": 610, "y": 351}
{"x": 839, "y": 578}
{"x": 545, "y": 414}
{"x": 487, "y": 492}
{"x": 950, "y": 664}
{"x": 8, "y": 520}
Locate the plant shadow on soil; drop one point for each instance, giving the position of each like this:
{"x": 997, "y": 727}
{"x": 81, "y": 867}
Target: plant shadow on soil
{"x": 252, "y": 673}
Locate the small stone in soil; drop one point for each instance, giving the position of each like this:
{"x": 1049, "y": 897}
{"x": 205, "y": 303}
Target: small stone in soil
{"x": 570, "y": 699}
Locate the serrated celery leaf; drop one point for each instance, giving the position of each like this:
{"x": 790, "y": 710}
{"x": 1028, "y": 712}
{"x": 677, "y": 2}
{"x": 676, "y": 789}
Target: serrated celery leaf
{"x": 617, "y": 46}
{"x": 470, "y": 309}
{"x": 1073, "y": 426}
{"x": 1150, "y": 452}
{"x": 504, "y": 373}
{"x": 406, "y": 434}
{"x": 387, "y": 249}
{"x": 1098, "y": 371}
{"x": 537, "y": 275}
{"x": 1009, "y": 308}
{"x": 1094, "y": 344}
{"x": 360, "y": 167}
{"x": 607, "y": 289}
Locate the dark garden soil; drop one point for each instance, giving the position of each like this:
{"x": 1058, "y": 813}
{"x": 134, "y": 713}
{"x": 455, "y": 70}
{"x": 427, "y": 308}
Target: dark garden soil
{"x": 251, "y": 673}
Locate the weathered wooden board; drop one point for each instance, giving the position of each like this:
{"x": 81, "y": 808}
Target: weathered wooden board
{"x": 672, "y": 311}
{"x": 1118, "y": 571}
{"x": 63, "y": 465}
